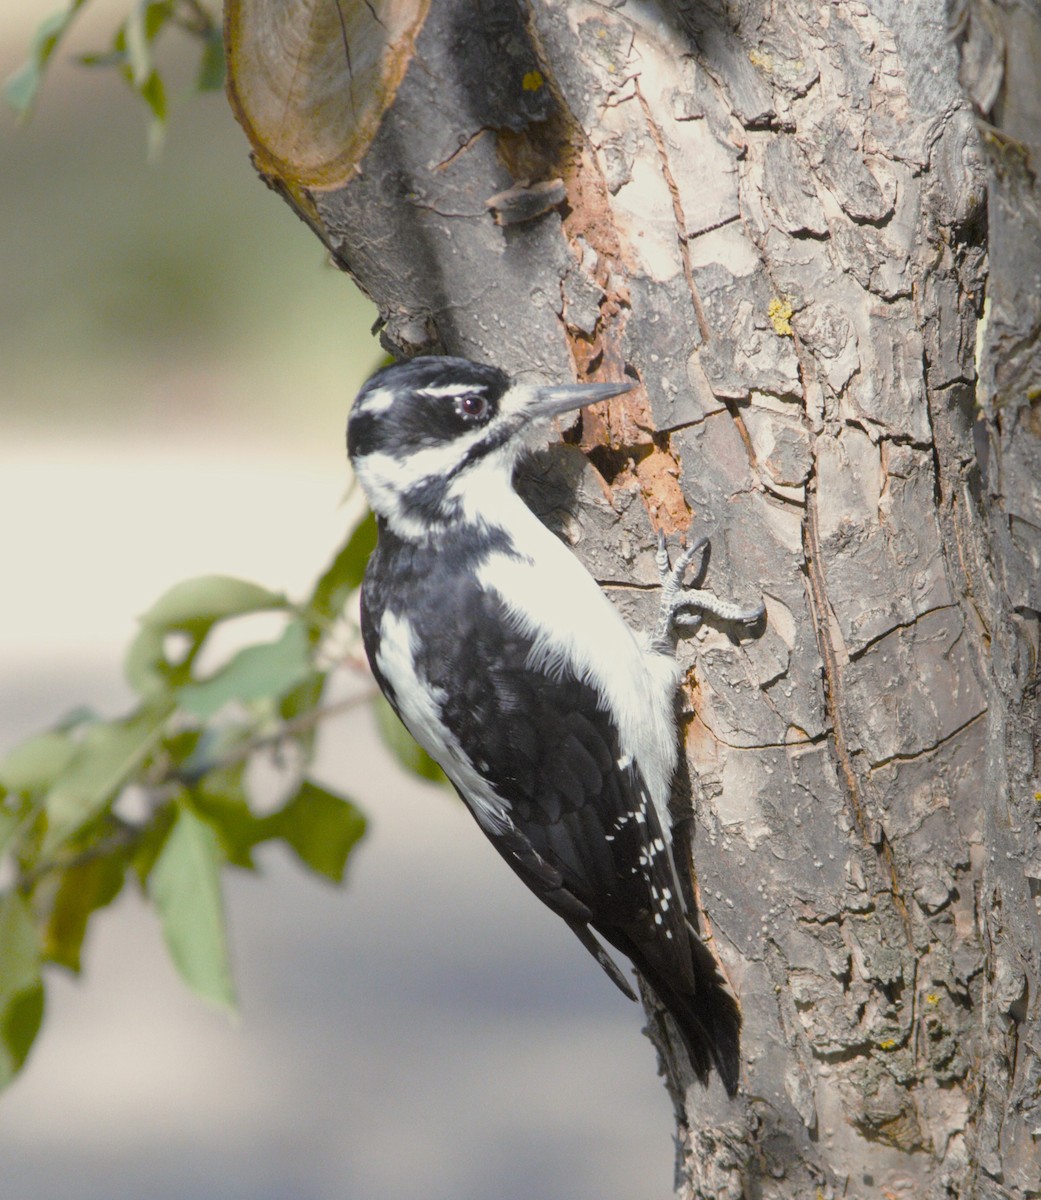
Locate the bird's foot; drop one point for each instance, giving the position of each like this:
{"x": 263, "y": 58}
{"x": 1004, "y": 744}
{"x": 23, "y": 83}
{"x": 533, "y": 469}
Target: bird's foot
{"x": 675, "y": 597}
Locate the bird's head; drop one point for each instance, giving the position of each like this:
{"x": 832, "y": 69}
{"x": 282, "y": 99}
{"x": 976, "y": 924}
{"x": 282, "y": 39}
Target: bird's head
{"x": 432, "y": 440}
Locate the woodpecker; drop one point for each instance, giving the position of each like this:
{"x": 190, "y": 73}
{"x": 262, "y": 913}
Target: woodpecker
{"x": 510, "y": 667}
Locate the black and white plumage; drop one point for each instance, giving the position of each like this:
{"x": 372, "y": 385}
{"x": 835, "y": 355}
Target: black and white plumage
{"x": 507, "y": 663}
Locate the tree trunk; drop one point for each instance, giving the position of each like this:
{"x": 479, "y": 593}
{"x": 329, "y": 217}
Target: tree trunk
{"x": 775, "y": 217}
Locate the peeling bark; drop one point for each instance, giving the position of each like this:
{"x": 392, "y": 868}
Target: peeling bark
{"x": 774, "y": 218}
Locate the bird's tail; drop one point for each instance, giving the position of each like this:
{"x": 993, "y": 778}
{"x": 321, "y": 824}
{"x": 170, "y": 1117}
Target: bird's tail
{"x": 706, "y": 1015}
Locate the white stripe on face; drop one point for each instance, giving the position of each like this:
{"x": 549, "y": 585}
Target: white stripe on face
{"x": 451, "y": 389}
{"x": 376, "y": 401}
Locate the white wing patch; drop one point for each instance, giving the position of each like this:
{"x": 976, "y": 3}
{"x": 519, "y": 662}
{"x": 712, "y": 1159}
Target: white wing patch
{"x": 420, "y": 706}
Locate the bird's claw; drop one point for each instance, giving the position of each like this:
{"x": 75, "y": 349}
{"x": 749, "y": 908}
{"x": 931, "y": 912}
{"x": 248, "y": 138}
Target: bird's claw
{"x": 675, "y": 597}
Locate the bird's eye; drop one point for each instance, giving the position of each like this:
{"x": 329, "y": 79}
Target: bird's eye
{"x": 472, "y": 406}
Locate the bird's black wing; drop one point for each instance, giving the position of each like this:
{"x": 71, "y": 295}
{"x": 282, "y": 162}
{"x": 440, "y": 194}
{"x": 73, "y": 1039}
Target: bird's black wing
{"x": 584, "y": 832}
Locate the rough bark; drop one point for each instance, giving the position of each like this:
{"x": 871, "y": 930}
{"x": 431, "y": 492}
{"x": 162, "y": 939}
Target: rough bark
{"x": 775, "y": 217}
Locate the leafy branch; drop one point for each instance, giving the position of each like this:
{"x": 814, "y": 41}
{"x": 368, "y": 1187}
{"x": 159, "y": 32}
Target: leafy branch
{"x": 131, "y": 53}
{"x": 162, "y": 795}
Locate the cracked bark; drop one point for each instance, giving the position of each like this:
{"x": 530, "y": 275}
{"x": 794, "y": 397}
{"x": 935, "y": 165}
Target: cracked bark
{"x": 775, "y": 219}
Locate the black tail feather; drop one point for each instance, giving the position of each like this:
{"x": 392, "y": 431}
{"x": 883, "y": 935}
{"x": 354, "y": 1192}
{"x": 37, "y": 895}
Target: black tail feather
{"x": 699, "y": 1001}
{"x": 707, "y": 1017}
{"x": 585, "y": 936}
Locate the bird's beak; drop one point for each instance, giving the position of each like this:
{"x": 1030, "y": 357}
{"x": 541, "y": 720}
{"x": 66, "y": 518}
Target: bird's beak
{"x": 562, "y": 398}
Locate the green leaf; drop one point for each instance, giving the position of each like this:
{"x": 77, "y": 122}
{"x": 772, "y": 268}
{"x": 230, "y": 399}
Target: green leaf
{"x": 83, "y": 889}
{"x": 208, "y": 599}
{"x": 82, "y": 714}
{"x": 321, "y": 827}
{"x": 304, "y": 697}
{"x": 21, "y": 984}
{"x": 213, "y": 743}
{"x": 103, "y": 58}
{"x": 211, "y": 65}
{"x": 21, "y": 87}
{"x": 219, "y": 798}
{"x": 403, "y": 746}
{"x": 105, "y": 757}
{"x": 257, "y": 671}
{"x": 149, "y": 843}
{"x": 153, "y": 93}
{"x": 191, "y": 607}
{"x": 141, "y": 27}
{"x": 36, "y": 763}
{"x": 9, "y": 822}
{"x": 145, "y": 667}
{"x": 185, "y": 886}
{"x": 344, "y": 574}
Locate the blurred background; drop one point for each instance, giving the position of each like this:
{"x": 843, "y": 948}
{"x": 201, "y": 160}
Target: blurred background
{"x": 176, "y": 362}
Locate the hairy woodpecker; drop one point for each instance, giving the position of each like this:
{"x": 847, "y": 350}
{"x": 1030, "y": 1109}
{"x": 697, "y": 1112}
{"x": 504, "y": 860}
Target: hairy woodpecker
{"x": 507, "y": 663}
